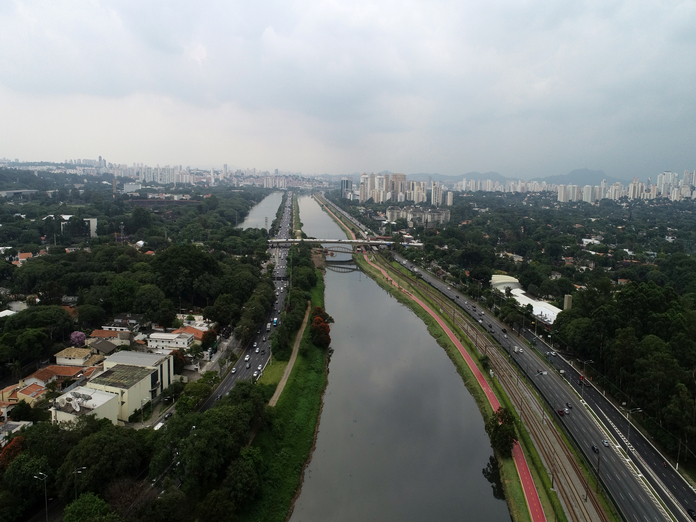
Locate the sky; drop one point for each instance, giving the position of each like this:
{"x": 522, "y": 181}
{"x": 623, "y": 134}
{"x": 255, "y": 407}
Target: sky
{"x": 526, "y": 88}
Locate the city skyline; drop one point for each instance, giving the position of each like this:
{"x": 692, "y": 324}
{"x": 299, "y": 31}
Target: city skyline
{"x": 527, "y": 90}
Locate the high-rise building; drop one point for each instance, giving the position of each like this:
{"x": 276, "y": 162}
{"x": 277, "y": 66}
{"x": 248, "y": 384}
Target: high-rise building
{"x": 346, "y": 187}
{"x": 450, "y": 198}
{"x": 436, "y": 194}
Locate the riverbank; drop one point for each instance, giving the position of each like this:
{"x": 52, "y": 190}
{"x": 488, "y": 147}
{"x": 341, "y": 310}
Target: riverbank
{"x": 522, "y": 506}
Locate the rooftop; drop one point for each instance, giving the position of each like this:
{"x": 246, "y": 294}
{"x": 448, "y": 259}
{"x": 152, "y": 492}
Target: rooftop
{"x": 135, "y": 358}
{"x": 122, "y": 376}
{"x": 83, "y": 400}
{"x": 74, "y": 353}
{"x": 45, "y": 374}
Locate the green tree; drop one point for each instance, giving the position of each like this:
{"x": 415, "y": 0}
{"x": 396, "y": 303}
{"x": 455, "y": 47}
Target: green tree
{"x": 89, "y": 508}
{"x": 501, "y": 430}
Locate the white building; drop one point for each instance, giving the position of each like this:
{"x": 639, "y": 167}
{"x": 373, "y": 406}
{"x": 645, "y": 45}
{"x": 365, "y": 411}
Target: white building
{"x": 83, "y": 401}
{"x": 162, "y": 363}
{"x": 169, "y": 341}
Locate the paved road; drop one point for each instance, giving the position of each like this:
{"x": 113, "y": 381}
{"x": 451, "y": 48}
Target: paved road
{"x": 619, "y": 477}
{"x": 257, "y": 355}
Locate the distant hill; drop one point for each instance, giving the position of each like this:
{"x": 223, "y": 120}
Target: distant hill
{"x": 580, "y": 177}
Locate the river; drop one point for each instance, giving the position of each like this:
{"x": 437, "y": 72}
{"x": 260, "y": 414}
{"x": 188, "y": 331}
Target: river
{"x": 400, "y": 437}
{"x": 267, "y": 208}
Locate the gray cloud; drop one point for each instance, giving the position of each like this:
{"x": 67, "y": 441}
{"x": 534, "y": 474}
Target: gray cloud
{"x": 525, "y": 88}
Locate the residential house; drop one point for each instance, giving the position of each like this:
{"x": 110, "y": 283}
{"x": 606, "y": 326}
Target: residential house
{"x": 73, "y": 356}
{"x": 115, "y": 337}
{"x": 103, "y": 347}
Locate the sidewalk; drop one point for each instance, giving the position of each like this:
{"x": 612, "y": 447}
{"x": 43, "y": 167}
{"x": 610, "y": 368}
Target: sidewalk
{"x": 293, "y": 357}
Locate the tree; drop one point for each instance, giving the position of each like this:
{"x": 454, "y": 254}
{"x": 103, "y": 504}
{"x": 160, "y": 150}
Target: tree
{"x": 22, "y": 412}
{"x": 89, "y": 508}
{"x": 77, "y": 338}
{"x": 501, "y": 430}
{"x": 90, "y": 316}
{"x": 179, "y": 361}
{"x": 11, "y": 451}
{"x": 209, "y": 339}
{"x": 109, "y": 454}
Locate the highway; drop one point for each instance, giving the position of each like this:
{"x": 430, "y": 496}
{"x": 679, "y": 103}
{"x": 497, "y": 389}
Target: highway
{"x": 619, "y": 476}
{"x": 258, "y": 352}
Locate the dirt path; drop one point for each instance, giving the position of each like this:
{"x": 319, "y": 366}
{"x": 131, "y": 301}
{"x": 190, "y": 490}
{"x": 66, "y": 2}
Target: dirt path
{"x": 291, "y": 362}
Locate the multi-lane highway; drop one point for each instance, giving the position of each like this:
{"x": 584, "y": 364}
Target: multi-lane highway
{"x": 622, "y": 478}
{"x": 257, "y": 354}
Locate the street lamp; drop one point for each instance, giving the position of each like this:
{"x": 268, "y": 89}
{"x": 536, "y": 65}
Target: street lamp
{"x": 76, "y": 472}
{"x": 628, "y": 419}
{"x": 44, "y": 477}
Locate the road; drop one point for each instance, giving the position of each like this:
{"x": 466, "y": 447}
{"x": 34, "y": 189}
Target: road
{"x": 257, "y": 354}
{"x": 620, "y": 478}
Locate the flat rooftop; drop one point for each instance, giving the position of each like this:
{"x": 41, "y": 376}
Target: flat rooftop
{"x": 135, "y": 358}
{"x": 122, "y": 376}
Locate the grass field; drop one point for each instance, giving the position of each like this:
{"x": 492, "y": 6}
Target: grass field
{"x": 273, "y": 373}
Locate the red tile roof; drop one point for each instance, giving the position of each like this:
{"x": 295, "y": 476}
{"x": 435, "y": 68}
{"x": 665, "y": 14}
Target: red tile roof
{"x": 197, "y": 334}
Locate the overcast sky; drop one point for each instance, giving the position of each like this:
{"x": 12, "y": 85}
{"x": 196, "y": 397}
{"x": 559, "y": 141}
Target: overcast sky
{"x": 524, "y": 88}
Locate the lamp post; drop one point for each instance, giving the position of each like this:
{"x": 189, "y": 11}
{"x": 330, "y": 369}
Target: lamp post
{"x": 628, "y": 419}
{"x": 582, "y": 386}
{"x": 76, "y": 472}
{"x": 44, "y": 477}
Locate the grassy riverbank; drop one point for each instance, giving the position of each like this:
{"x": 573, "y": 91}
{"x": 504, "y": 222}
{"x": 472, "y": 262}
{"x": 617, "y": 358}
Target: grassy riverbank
{"x": 287, "y": 439}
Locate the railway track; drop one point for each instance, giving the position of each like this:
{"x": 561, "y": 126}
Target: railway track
{"x": 568, "y": 479}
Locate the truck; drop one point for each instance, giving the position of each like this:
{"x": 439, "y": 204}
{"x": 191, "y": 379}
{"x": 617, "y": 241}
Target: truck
{"x": 268, "y": 327}
{"x": 516, "y": 349}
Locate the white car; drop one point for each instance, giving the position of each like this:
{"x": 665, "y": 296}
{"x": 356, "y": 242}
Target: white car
{"x": 246, "y": 358}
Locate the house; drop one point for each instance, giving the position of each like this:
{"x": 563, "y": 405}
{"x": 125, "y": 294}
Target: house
{"x": 133, "y": 385}
{"x": 163, "y": 364}
{"x": 31, "y": 394}
{"x": 170, "y": 341}
{"x": 196, "y": 332}
{"x": 115, "y": 337}
{"x": 103, "y": 347}
{"x": 73, "y": 356}
{"x": 22, "y": 258}
{"x": 125, "y": 323}
{"x": 47, "y": 375}
{"x": 83, "y": 401}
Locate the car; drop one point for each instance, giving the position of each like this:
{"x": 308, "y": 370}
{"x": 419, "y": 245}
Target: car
{"x": 263, "y": 352}
{"x": 595, "y": 448}
{"x": 567, "y": 411}
{"x": 504, "y": 330}
{"x": 256, "y": 374}
{"x": 457, "y": 297}
{"x": 168, "y": 415}
{"x": 218, "y": 397}
{"x": 260, "y": 367}
{"x": 247, "y": 357}
{"x": 255, "y": 343}
{"x": 264, "y": 338}
{"x": 248, "y": 365}
{"x": 553, "y": 354}
{"x": 234, "y": 370}
{"x": 569, "y": 405}
{"x": 480, "y": 321}
{"x": 504, "y": 336}
{"x": 521, "y": 350}
{"x": 257, "y": 349}
{"x": 691, "y": 513}
{"x": 605, "y": 442}
{"x": 561, "y": 413}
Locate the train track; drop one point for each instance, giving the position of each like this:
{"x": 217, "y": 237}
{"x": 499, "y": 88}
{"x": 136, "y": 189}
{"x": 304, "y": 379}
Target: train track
{"x": 568, "y": 479}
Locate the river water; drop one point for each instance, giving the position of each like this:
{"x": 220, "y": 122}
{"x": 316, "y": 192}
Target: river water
{"x": 267, "y": 208}
{"x": 400, "y": 437}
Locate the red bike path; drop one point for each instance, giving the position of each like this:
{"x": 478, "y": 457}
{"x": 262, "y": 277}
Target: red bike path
{"x": 530, "y": 493}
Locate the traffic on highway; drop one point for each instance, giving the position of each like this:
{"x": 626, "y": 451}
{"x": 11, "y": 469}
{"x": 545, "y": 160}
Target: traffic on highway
{"x": 253, "y": 360}
{"x": 623, "y": 466}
